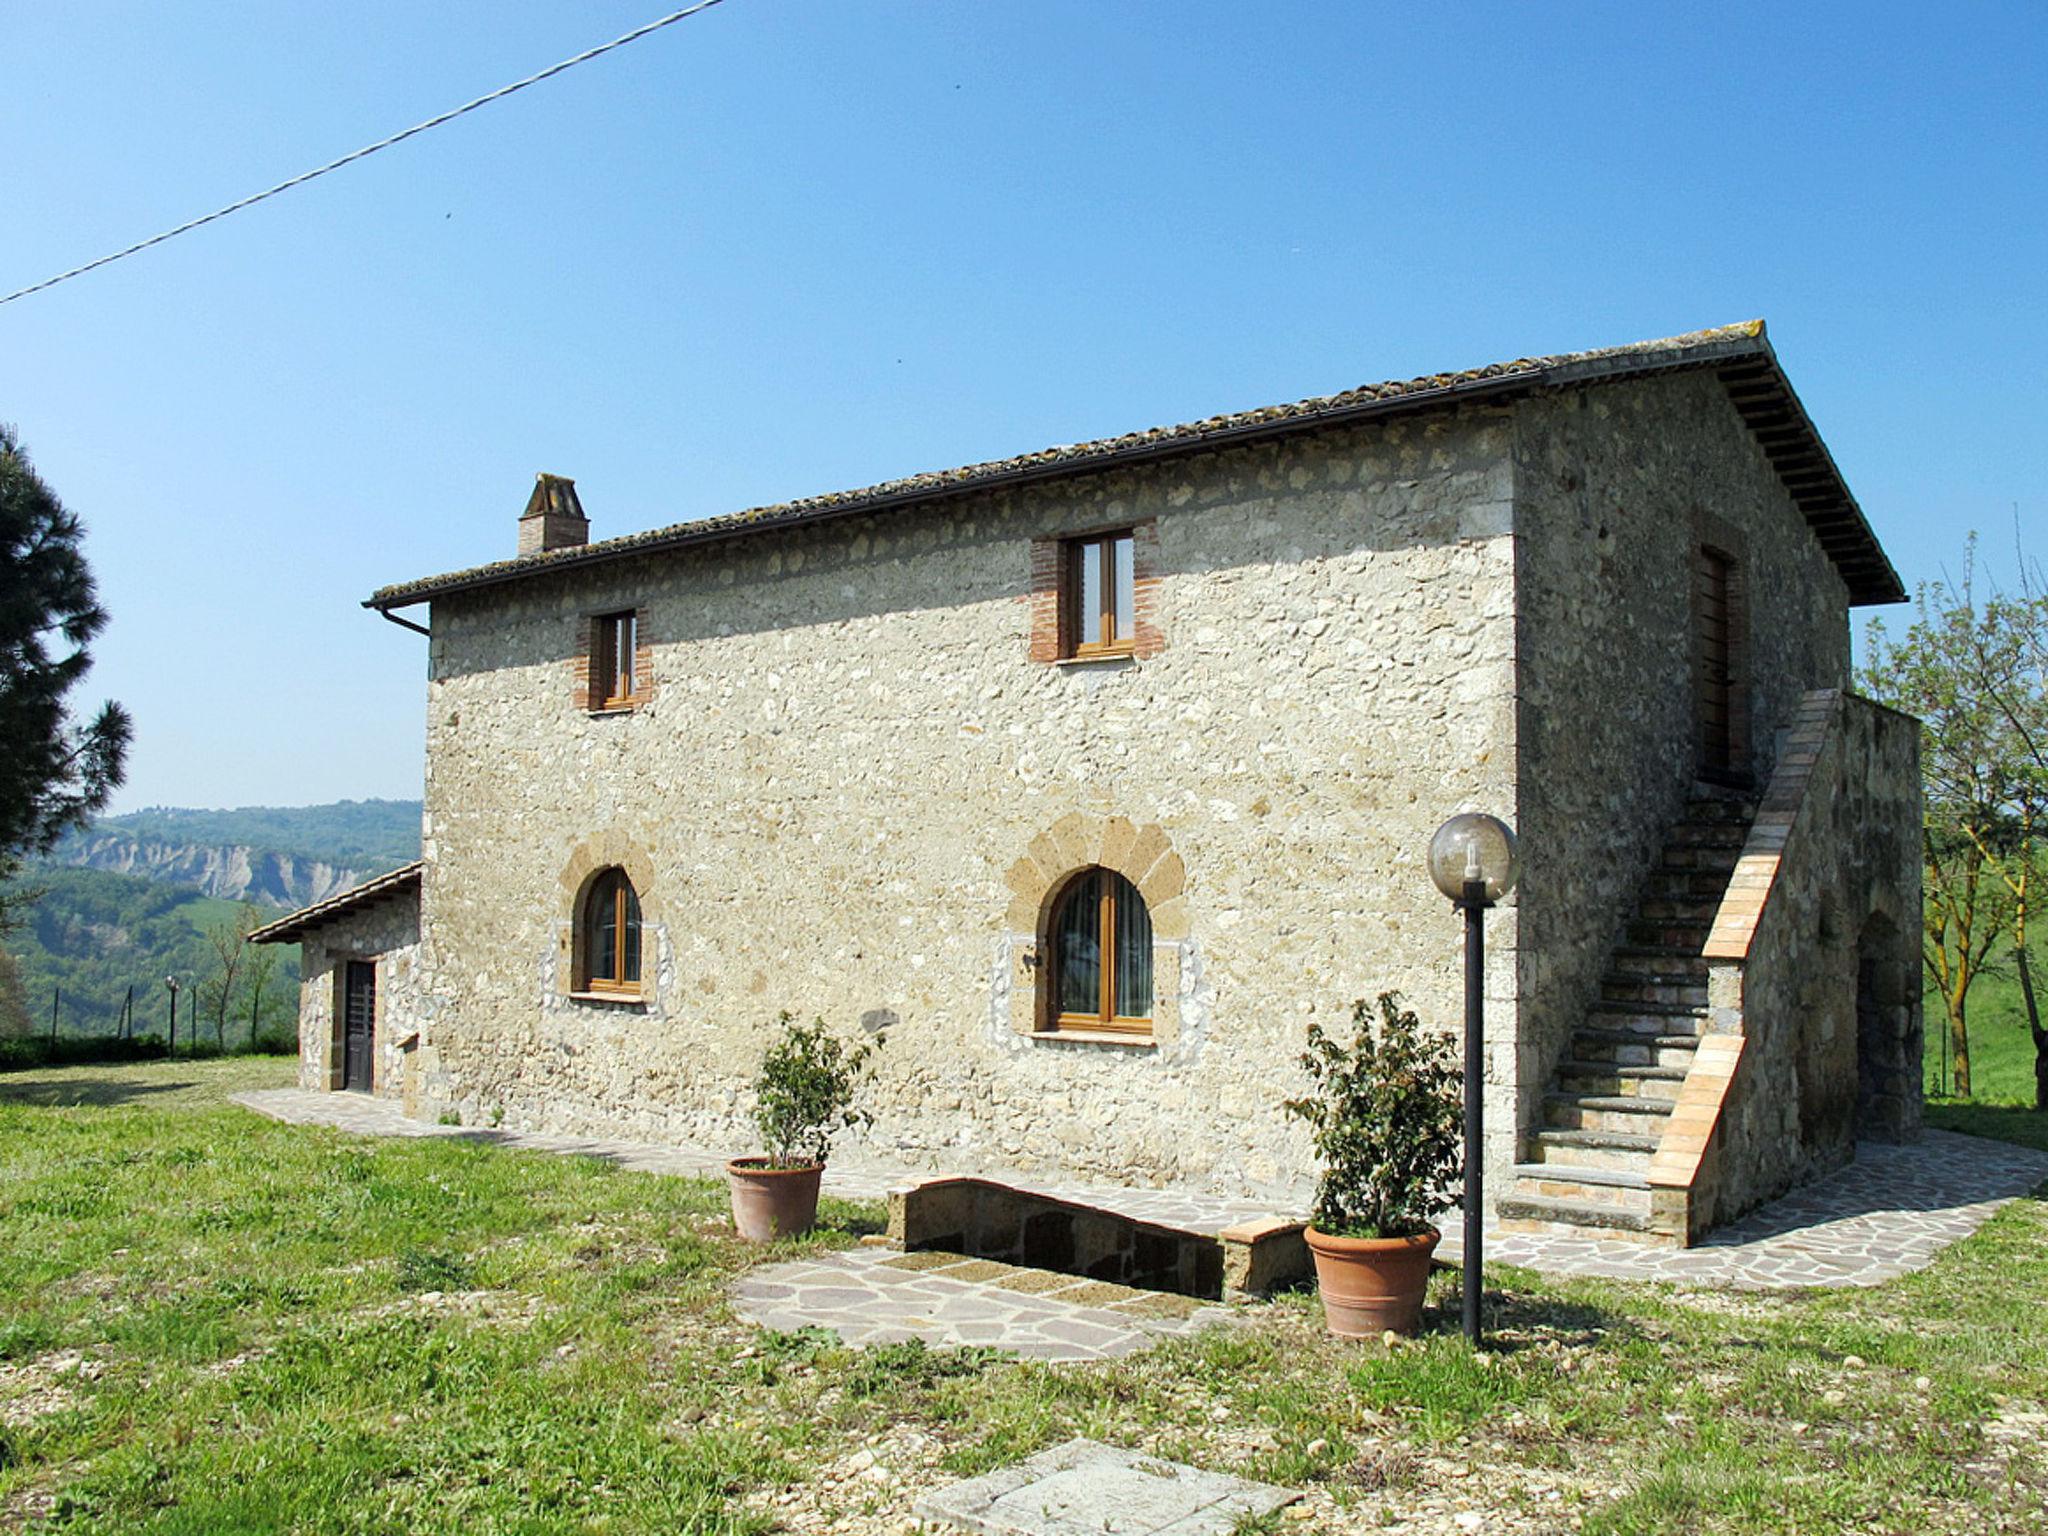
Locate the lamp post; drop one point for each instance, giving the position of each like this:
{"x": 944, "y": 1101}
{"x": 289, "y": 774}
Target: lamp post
{"x": 1474, "y": 861}
{"x": 173, "y": 983}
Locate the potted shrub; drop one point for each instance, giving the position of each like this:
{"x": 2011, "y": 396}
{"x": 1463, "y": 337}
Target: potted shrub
{"x": 803, "y": 1096}
{"x": 1387, "y": 1115}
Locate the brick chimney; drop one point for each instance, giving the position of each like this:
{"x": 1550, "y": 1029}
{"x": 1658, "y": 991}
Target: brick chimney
{"x": 553, "y": 518}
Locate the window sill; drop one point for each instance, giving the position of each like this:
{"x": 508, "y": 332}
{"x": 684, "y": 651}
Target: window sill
{"x": 624, "y": 999}
{"x": 1096, "y": 659}
{"x": 1097, "y": 1037}
{"x": 622, "y": 707}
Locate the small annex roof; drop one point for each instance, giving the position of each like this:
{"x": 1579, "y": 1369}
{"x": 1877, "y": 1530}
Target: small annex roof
{"x": 400, "y": 880}
{"x": 1740, "y": 354}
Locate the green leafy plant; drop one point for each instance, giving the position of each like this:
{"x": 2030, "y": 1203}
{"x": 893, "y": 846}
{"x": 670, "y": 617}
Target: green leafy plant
{"x": 1386, "y": 1114}
{"x": 804, "y": 1095}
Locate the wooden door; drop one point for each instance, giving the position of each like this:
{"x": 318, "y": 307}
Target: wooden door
{"x": 358, "y": 1025}
{"x": 1714, "y": 661}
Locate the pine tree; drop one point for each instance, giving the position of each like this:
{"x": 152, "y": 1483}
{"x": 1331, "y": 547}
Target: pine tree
{"x": 55, "y": 773}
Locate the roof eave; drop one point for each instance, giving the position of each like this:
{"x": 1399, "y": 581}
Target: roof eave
{"x": 1828, "y": 505}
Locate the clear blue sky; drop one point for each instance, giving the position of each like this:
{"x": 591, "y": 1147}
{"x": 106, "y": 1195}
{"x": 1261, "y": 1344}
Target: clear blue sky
{"x": 784, "y": 248}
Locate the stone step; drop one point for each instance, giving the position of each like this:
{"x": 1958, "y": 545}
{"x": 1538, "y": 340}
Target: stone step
{"x": 1654, "y": 987}
{"x": 1541, "y": 1213}
{"x": 1609, "y": 1079}
{"x": 1718, "y": 811}
{"x": 1719, "y": 862}
{"x": 1621, "y": 1179}
{"x": 1593, "y": 1149}
{"x": 1711, "y": 834}
{"x": 1646, "y": 933}
{"x": 1685, "y": 885}
{"x": 1679, "y": 911}
{"x": 1649, "y": 1018}
{"x": 1631, "y": 1048}
{"x": 1657, "y": 959}
{"x": 1623, "y": 1114}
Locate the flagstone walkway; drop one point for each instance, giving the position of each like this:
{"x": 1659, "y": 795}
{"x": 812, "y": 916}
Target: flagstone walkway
{"x": 1887, "y": 1214}
{"x": 877, "y": 1296}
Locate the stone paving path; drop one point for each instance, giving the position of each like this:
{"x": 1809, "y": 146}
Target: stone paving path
{"x": 1887, "y": 1214}
{"x": 1085, "y": 1488}
{"x": 877, "y": 1296}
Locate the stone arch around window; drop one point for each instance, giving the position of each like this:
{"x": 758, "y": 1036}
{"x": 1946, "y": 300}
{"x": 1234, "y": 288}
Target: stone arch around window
{"x": 1076, "y": 843}
{"x": 593, "y": 859}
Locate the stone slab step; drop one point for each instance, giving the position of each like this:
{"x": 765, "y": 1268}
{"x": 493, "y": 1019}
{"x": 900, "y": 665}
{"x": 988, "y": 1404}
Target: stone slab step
{"x": 1685, "y": 991}
{"x": 1571, "y": 1213}
{"x": 1649, "y": 1011}
{"x": 1627, "y": 1115}
{"x": 1686, "y": 884}
{"x": 1593, "y": 1149}
{"x": 1613, "y": 1079}
{"x": 1633, "y": 1048}
{"x": 1714, "y": 811}
{"x": 1708, "y": 834}
{"x": 1663, "y": 959}
{"x": 1615, "y": 1178}
{"x": 1644, "y": 931}
{"x": 1678, "y": 911}
{"x": 1565, "y": 1182}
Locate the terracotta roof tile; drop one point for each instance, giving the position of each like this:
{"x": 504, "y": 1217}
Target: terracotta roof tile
{"x": 1847, "y": 535}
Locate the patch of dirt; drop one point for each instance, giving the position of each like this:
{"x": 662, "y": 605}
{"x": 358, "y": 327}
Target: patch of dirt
{"x": 504, "y": 1309}
{"x": 43, "y": 1386}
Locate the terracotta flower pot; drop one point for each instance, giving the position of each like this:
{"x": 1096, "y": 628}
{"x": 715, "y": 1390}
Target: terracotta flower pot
{"x": 1371, "y": 1284}
{"x": 770, "y": 1202}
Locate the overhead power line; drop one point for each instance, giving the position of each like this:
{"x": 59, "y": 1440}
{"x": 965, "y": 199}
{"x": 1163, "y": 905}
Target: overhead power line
{"x": 370, "y": 149}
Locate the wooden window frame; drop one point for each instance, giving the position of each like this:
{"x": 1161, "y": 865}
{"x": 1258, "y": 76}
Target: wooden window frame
{"x": 1072, "y": 620}
{"x": 621, "y": 889}
{"x": 1105, "y": 1020}
{"x": 605, "y": 629}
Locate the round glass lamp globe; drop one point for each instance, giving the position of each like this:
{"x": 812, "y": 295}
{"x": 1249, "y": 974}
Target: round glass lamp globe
{"x": 1474, "y": 846}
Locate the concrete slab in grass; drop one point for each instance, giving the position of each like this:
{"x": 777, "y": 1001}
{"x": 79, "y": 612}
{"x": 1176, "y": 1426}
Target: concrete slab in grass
{"x": 1085, "y": 1488}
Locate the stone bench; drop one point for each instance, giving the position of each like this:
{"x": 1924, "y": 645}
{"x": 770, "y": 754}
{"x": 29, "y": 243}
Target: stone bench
{"x": 1104, "y": 1235}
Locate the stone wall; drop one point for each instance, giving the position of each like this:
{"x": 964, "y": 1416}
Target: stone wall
{"x": 386, "y": 931}
{"x": 850, "y": 750}
{"x": 1615, "y": 487}
{"x": 1827, "y": 990}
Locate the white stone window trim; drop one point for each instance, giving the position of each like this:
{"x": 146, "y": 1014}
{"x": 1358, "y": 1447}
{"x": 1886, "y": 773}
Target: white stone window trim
{"x": 1118, "y": 659}
{"x": 621, "y": 999}
{"x": 1129, "y": 1041}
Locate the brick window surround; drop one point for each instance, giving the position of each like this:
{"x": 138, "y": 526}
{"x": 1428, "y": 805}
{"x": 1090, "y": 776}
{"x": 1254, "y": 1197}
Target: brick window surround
{"x": 1055, "y": 598}
{"x": 592, "y": 670}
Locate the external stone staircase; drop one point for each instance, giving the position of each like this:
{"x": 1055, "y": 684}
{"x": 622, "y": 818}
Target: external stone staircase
{"x": 1587, "y": 1168}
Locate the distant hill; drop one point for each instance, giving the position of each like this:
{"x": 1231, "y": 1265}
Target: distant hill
{"x": 129, "y": 901}
{"x": 280, "y": 856}
{"x": 94, "y": 934}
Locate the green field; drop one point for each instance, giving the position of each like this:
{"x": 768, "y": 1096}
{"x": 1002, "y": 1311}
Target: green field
{"x": 212, "y": 1323}
{"x": 2001, "y": 1063}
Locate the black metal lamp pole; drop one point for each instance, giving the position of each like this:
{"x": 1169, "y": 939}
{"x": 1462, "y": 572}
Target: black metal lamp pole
{"x": 1475, "y": 904}
{"x": 1474, "y": 860}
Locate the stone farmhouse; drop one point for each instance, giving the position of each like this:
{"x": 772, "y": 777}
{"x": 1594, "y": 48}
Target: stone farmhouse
{"x": 1093, "y": 775}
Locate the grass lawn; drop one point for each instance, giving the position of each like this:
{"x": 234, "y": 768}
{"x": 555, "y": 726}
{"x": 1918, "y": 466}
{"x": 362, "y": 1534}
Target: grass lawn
{"x": 212, "y": 1323}
{"x": 2001, "y": 1065}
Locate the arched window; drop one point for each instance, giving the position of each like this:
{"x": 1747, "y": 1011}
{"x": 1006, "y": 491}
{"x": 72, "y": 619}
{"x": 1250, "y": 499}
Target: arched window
{"x": 1101, "y": 971}
{"x": 611, "y": 934}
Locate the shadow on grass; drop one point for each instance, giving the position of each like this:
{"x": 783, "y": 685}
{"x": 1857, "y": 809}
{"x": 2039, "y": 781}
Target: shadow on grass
{"x": 73, "y": 1093}
{"x": 2001, "y": 1122}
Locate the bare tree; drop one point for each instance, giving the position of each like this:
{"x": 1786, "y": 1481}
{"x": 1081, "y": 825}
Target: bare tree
{"x": 229, "y": 940}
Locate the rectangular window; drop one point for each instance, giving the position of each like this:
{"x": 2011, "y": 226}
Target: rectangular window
{"x": 1101, "y": 595}
{"x": 614, "y": 679}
